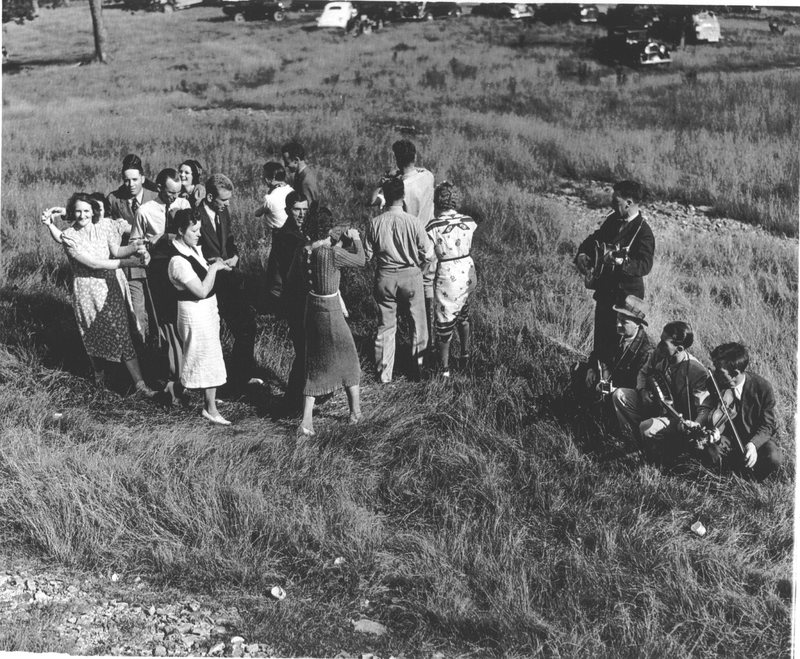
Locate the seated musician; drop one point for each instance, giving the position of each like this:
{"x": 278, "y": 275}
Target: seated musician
{"x": 614, "y": 261}
{"x": 633, "y": 349}
{"x": 669, "y": 389}
{"x": 746, "y": 418}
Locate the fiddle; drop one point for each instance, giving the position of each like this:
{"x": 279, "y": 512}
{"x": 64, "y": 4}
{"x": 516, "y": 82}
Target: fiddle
{"x": 721, "y": 418}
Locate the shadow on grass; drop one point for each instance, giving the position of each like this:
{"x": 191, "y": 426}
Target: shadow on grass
{"x": 17, "y": 66}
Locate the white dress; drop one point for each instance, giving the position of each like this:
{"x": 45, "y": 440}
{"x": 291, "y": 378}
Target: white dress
{"x": 198, "y": 325}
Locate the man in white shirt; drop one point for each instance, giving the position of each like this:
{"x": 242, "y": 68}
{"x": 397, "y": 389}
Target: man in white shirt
{"x": 418, "y": 184}
{"x": 273, "y": 209}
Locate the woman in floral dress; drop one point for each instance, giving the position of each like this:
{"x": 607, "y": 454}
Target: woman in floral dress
{"x": 93, "y": 247}
{"x": 451, "y": 234}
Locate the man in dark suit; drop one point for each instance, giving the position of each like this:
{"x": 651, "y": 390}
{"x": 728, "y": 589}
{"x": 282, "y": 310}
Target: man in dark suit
{"x": 217, "y": 243}
{"x": 304, "y": 180}
{"x": 751, "y": 405}
{"x": 123, "y": 203}
{"x": 623, "y": 269}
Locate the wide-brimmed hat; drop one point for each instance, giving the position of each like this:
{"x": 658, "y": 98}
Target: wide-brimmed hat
{"x": 633, "y": 307}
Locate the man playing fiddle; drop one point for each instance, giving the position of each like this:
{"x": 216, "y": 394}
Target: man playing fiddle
{"x": 624, "y": 246}
{"x": 669, "y": 391}
{"x": 739, "y": 415}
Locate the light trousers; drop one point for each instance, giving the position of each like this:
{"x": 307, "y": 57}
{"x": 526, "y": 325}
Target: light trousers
{"x": 393, "y": 289}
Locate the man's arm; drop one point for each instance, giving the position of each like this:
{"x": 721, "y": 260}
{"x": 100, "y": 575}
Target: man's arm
{"x": 764, "y": 428}
{"x": 640, "y": 258}
{"x": 424, "y": 245}
{"x": 369, "y": 245}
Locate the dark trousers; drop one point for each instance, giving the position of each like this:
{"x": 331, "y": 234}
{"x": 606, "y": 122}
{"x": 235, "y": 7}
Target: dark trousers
{"x": 297, "y": 376}
{"x": 605, "y": 330}
{"x": 240, "y": 319}
{"x": 724, "y": 456}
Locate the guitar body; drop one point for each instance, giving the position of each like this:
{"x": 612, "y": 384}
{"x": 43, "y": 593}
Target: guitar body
{"x": 599, "y": 265}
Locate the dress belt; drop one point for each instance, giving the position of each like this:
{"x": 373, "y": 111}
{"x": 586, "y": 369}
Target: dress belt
{"x": 323, "y": 296}
{"x": 454, "y": 258}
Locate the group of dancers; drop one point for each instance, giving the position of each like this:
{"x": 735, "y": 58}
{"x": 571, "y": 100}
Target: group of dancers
{"x": 156, "y": 267}
{"x": 156, "y": 263}
{"x": 661, "y": 396}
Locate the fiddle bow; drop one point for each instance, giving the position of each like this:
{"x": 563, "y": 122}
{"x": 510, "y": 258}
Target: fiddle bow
{"x": 724, "y": 414}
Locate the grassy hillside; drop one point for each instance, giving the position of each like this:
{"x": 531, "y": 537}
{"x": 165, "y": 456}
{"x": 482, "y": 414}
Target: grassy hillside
{"x": 478, "y": 516}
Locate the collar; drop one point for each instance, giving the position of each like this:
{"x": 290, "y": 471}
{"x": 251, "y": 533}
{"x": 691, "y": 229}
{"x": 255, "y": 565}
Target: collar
{"x": 211, "y": 214}
{"x": 737, "y": 390}
{"x": 194, "y": 252}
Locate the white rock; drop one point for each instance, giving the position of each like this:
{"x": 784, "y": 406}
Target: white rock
{"x": 194, "y": 606}
{"x": 369, "y": 627}
{"x": 115, "y": 577}
{"x": 160, "y": 651}
{"x": 237, "y": 640}
{"x": 219, "y": 648}
{"x": 40, "y": 596}
{"x": 252, "y": 648}
{"x": 339, "y": 560}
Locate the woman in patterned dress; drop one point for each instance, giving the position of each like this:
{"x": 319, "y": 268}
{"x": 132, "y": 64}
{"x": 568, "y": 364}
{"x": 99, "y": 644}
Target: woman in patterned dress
{"x": 451, "y": 234}
{"x": 331, "y": 359}
{"x": 93, "y": 246}
{"x": 198, "y": 316}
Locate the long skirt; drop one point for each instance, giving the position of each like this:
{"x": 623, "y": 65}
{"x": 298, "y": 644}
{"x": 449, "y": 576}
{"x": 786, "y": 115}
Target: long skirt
{"x": 198, "y": 329}
{"x": 331, "y": 357}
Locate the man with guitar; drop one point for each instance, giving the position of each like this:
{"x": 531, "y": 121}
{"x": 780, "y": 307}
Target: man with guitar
{"x": 614, "y": 260}
{"x": 739, "y": 416}
{"x": 669, "y": 391}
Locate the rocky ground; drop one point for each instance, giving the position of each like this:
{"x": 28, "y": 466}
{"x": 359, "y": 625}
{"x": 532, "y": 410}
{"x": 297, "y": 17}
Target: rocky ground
{"x": 119, "y": 614}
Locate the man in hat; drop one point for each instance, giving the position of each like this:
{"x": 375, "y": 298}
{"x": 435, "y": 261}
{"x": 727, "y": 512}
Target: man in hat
{"x": 633, "y": 349}
{"x": 624, "y": 246}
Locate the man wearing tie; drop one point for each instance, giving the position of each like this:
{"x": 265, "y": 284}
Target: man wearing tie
{"x": 153, "y": 224}
{"x": 217, "y": 243}
{"x": 123, "y": 203}
{"x": 749, "y": 417}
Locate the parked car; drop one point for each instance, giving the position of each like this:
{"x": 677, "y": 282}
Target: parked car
{"x": 337, "y": 15}
{"x": 503, "y": 10}
{"x": 633, "y": 47}
{"x": 555, "y": 12}
{"x": 168, "y": 6}
{"x": 380, "y": 13}
{"x": 431, "y": 10}
{"x": 253, "y": 10}
{"x": 704, "y": 27}
{"x": 309, "y": 5}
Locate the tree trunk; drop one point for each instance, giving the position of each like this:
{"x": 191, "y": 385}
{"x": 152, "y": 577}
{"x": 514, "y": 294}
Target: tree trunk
{"x": 100, "y": 35}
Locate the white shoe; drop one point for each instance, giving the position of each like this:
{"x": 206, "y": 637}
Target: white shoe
{"x": 218, "y": 419}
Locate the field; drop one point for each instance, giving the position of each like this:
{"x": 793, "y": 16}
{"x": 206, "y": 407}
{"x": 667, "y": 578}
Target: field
{"x": 479, "y": 517}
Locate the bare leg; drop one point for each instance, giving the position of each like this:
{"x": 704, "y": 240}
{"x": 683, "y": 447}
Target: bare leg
{"x": 210, "y": 410}
{"x": 354, "y": 400}
{"x": 136, "y": 375}
{"x": 98, "y": 366}
{"x": 307, "y": 424}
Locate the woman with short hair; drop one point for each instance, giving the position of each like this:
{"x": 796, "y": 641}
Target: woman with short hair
{"x": 93, "y": 246}
{"x": 198, "y": 316}
{"x": 331, "y": 359}
{"x": 189, "y": 172}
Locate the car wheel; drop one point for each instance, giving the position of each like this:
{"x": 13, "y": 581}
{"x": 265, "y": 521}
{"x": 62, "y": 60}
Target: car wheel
{"x": 238, "y": 17}
{"x": 428, "y": 16}
{"x": 279, "y": 16}
{"x": 456, "y": 13}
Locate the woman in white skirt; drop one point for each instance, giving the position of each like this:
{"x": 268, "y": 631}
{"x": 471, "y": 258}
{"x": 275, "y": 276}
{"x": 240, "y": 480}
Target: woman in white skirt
{"x": 198, "y": 317}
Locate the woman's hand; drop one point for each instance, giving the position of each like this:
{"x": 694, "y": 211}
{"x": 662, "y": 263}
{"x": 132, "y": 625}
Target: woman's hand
{"x": 352, "y": 234}
{"x": 50, "y": 214}
{"x": 143, "y": 258}
{"x": 220, "y": 265}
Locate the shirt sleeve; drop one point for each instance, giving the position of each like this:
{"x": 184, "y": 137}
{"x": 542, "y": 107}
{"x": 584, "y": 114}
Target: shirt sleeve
{"x": 343, "y": 258}
{"x": 369, "y": 247}
{"x": 640, "y": 258}
{"x": 181, "y": 272}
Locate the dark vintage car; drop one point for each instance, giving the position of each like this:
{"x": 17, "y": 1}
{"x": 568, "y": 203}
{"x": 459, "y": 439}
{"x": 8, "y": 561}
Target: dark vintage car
{"x": 253, "y": 10}
{"x": 517, "y": 10}
{"x": 428, "y": 11}
{"x": 555, "y": 12}
{"x": 671, "y": 24}
{"x": 632, "y": 47}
